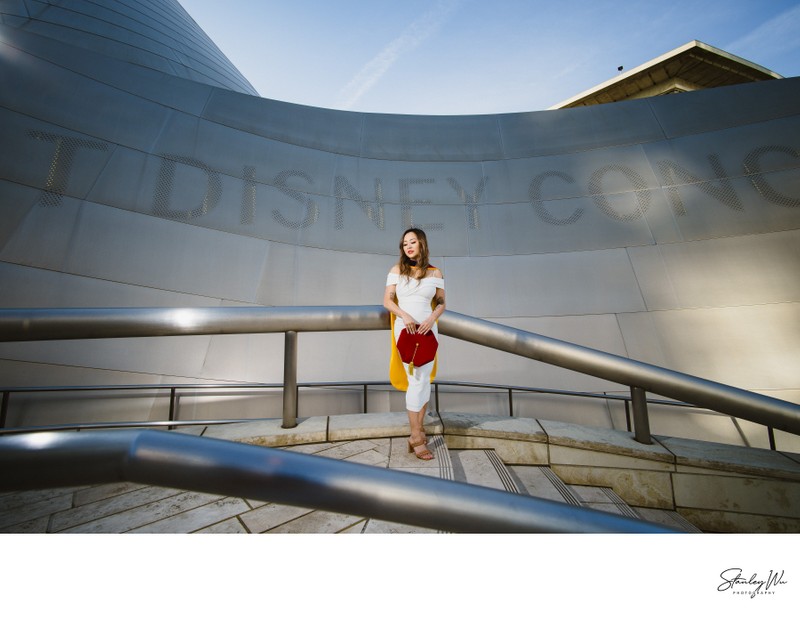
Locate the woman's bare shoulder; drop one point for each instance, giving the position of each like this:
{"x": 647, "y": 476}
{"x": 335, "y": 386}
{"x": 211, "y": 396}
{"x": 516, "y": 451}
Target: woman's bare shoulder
{"x": 395, "y": 269}
{"x": 436, "y": 272}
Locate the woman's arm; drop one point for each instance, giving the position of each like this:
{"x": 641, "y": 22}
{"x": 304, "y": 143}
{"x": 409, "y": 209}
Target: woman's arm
{"x": 389, "y": 303}
{"x": 438, "y": 301}
{"x": 439, "y": 307}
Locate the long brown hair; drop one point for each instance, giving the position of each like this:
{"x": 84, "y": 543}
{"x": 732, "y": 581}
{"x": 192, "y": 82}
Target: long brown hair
{"x": 422, "y": 263}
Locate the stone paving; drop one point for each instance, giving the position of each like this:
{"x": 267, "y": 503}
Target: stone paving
{"x": 601, "y": 464}
{"x": 134, "y": 508}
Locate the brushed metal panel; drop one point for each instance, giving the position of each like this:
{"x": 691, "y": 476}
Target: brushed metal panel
{"x": 752, "y": 347}
{"x": 251, "y": 358}
{"x": 13, "y": 9}
{"x": 749, "y": 270}
{"x": 86, "y": 107}
{"x": 343, "y": 356}
{"x": 560, "y": 225}
{"x": 52, "y": 409}
{"x": 131, "y": 248}
{"x": 394, "y": 181}
{"x": 103, "y": 46}
{"x": 601, "y": 331}
{"x": 711, "y": 156}
{"x": 730, "y": 106}
{"x": 229, "y": 404}
{"x": 128, "y": 181}
{"x": 12, "y": 20}
{"x": 601, "y": 282}
{"x": 57, "y": 161}
{"x": 281, "y": 214}
{"x": 311, "y": 276}
{"x": 771, "y": 207}
{"x": 25, "y": 286}
{"x": 103, "y": 27}
{"x": 178, "y": 136}
{"x": 177, "y": 93}
{"x": 174, "y": 92}
{"x": 462, "y": 361}
{"x": 330, "y": 130}
{"x": 15, "y": 201}
{"x": 270, "y": 162}
{"x": 40, "y": 409}
{"x": 608, "y": 170}
{"x": 428, "y": 138}
{"x": 584, "y": 412}
{"x": 325, "y": 357}
{"x": 694, "y": 424}
{"x": 578, "y": 129}
{"x": 97, "y": 21}
{"x": 445, "y": 226}
{"x": 42, "y": 238}
{"x": 167, "y": 356}
{"x": 188, "y": 190}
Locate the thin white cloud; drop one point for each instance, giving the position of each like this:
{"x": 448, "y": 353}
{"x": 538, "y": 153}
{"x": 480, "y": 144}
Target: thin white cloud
{"x": 411, "y": 37}
{"x": 773, "y": 37}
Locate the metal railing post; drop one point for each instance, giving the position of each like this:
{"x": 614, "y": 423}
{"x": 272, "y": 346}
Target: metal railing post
{"x": 172, "y": 404}
{"x": 628, "y": 415}
{"x": 641, "y": 420}
{"x": 4, "y": 409}
{"x": 289, "y": 380}
{"x": 173, "y": 400}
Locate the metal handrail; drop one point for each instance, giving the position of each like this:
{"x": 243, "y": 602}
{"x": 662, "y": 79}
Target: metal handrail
{"x": 53, "y": 324}
{"x": 151, "y": 457}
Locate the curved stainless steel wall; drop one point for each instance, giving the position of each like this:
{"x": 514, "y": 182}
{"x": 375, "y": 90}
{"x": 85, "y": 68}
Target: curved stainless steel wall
{"x": 156, "y": 34}
{"x": 663, "y": 229}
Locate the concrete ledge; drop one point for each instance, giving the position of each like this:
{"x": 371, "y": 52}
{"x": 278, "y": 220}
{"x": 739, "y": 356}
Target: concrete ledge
{"x": 500, "y": 427}
{"x": 737, "y": 494}
{"x": 594, "y": 457}
{"x": 711, "y": 521}
{"x": 268, "y": 432}
{"x": 603, "y": 440}
{"x": 732, "y": 459}
{"x": 375, "y": 425}
{"x": 638, "y": 488}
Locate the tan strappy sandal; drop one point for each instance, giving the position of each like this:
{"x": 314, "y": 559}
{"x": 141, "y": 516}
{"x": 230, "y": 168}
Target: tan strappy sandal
{"x": 422, "y": 455}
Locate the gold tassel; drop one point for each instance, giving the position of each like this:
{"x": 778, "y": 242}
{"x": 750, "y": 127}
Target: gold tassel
{"x": 411, "y": 364}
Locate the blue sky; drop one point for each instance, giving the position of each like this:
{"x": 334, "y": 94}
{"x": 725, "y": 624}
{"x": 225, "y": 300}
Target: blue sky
{"x": 476, "y": 56}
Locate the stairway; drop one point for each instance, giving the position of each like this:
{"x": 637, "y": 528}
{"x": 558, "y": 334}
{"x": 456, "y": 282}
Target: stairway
{"x": 134, "y": 508}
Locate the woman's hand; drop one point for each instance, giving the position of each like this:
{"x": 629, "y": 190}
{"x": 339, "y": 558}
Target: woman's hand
{"x": 410, "y": 324}
{"x": 426, "y": 326}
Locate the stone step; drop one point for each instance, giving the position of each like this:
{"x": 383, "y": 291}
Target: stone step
{"x": 542, "y": 482}
{"x": 440, "y": 466}
{"x": 482, "y": 467}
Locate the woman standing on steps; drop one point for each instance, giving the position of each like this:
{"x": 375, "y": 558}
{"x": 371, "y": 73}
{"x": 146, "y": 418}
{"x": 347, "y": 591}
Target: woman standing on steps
{"x": 415, "y": 299}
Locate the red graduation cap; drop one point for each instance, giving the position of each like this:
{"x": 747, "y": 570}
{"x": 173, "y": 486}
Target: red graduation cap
{"x": 417, "y": 349}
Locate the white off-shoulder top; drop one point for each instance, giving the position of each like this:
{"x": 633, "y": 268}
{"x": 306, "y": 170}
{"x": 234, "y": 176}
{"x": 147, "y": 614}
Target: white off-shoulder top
{"x": 415, "y": 295}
